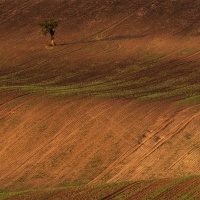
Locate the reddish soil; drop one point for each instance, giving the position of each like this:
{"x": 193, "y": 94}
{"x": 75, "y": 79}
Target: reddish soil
{"x": 185, "y": 188}
{"x": 50, "y": 140}
{"x": 47, "y": 141}
{"x": 178, "y": 190}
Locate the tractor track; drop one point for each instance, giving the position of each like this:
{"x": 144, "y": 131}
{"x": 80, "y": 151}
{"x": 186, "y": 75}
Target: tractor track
{"x": 157, "y": 145}
{"x": 122, "y": 190}
{"x": 149, "y": 189}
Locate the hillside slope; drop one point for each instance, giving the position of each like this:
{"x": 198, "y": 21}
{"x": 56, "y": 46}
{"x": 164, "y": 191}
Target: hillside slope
{"x": 117, "y": 99}
{"x": 47, "y": 141}
{"x": 181, "y": 188}
{"x": 134, "y": 49}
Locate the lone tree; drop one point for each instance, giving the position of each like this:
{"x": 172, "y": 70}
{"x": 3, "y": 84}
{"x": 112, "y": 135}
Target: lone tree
{"x": 49, "y": 26}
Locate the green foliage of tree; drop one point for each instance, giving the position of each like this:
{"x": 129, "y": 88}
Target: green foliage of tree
{"x": 49, "y": 26}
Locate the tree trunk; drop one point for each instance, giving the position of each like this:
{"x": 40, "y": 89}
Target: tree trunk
{"x": 52, "y": 41}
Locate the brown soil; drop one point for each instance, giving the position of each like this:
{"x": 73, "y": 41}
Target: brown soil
{"x": 99, "y": 46}
{"x": 184, "y": 188}
{"x": 49, "y": 141}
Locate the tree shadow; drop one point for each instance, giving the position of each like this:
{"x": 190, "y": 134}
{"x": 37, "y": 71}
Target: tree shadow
{"x": 120, "y": 37}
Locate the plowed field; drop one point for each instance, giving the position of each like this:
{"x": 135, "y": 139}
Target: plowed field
{"x": 116, "y": 100}
{"x": 182, "y": 188}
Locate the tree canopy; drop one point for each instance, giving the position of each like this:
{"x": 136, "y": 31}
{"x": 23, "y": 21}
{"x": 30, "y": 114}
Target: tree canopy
{"x": 48, "y": 26}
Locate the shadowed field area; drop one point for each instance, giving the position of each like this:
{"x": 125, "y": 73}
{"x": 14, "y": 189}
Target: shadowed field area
{"x": 116, "y": 100}
{"x": 102, "y": 51}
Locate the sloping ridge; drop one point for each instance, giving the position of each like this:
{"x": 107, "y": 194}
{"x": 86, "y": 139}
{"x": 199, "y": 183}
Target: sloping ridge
{"x": 48, "y": 141}
{"x": 166, "y": 16}
{"x": 51, "y": 140}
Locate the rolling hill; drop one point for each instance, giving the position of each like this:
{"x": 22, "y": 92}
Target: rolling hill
{"x": 114, "y": 105}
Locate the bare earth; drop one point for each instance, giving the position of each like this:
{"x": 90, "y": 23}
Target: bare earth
{"x": 116, "y": 100}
